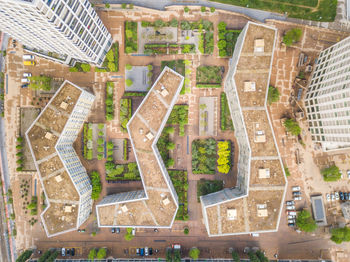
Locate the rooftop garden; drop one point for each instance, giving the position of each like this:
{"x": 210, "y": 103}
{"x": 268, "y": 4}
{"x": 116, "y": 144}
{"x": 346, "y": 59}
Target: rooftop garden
{"x": 40, "y": 83}
{"x": 122, "y": 172}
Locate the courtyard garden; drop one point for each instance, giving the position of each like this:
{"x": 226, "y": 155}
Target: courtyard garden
{"x": 183, "y": 68}
{"x": 205, "y": 187}
{"x": 209, "y": 76}
{"x": 130, "y": 37}
{"x": 94, "y": 138}
{"x": 109, "y": 101}
{"x": 179, "y": 116}
{"x": 224, "y": 156}
{"x": 204, "y": 156}
{"x": 122, "y": 172}
{"x": 179, "y": 180}
{"x": 111, "y": 62}
{"x": 125, "y": 112}
{"x": 164, "y": 145}
{"x": 40, "y": 82}
{"x": 227, "y": 39}
{"x": 225, "y": 116}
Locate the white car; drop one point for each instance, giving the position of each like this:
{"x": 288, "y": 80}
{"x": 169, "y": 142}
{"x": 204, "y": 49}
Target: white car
{"x": 328, "y": 197}
{"x": 348, "y": 172}
{"x": 336, "y": 194}
{"x": 290, "y": 203}
{"x": 295, "y": 188}
{"x": 296, "y": 198}
{"x": 133, "y": 232}
{"x": 24, "y": 80}
{"x": 27, "y": 74}
{"x": 291, "y": 217}
{"x": 290, "y": 207}
{"x": 332, "y": 197}
{"x": 291, "y": 221}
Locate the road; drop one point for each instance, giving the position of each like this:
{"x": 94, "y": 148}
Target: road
{"x": 6, "y": 243}
{"x": 259, "y": 15}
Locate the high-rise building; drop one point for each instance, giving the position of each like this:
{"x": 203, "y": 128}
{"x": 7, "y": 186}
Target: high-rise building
{"x": 63, "y": 177}
{"x": 328, "y": 98}
{"x": 67, "y": 27}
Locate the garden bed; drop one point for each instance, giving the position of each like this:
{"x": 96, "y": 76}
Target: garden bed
{"x": 224, "y": 160}
{"x": 179, "y": 180}
{"x": 126, "y": 94}
{"x": 209, "y": 76}
{"x": 87, "y": 141}
{"x": 111, "y": 62}
{"x": 225, "y": 115}
{"x": 160, "y": 23}
{"x": 227, "y": 40}
{"x": 124, "y": 172}
{"x": 130, "y": 37}
{"x": 205, "y": 187}
{"x": 204, "y": 156}
{"x": 109, "y": 101}
{"x": 125, "y": 112}
{"x": 179, "y": 116}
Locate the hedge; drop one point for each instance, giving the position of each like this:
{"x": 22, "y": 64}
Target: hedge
{"x": 208, "y": 85}
{"x": 135, "y": 93}
{"x": 125, "y": 147}
{"x": 130, "y": 37}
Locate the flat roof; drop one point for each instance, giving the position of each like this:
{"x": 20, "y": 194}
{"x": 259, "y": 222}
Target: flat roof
{"x": 62, "y": 212}
{"x": 265, "y": 192}
{"x": 158, "y": 208}
{"x": 318, "y": 210}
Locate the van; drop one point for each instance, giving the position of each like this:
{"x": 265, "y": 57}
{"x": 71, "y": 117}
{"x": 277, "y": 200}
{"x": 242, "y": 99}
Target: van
{"x": 28, "y": 57}
{"x": 28, "y": 63}
{"x": 25, "y": 80}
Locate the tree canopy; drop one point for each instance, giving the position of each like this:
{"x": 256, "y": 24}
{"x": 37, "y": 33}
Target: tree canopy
{"x": 292, "y": 127}
{"x": 340, "y": 235}
{"x": 305, "y": 222}
{"x": 292, "y": 36}
{"x": 273, "y": 95}
{"x": 96, "y": 185}
{"x": 235, "y": 256}
{"x": 194, "y": 253}
{"x": 92, "y": 254}
{"x": 101, "y": 254}
{"x": 331, "y": 174}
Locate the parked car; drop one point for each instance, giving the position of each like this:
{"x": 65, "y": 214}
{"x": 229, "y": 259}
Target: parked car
{"x": 137, "y": 251}
{"x": 146, "y": 251}
{"x": 113, "y": 230}
{"x": 346, "y": 196}
{"x": 24, "y": 80}
{"x": 290, "y": 221}
{"x": 150, "y": 251}
{"x": 297, "y": 193}
{"x": 341, "y": 174}
{"x": 29, "y": 63}
{"x": 295, "y": 188}
{"x": 155, "y": 230}
{"x": 332, "y": 197}
{"x": 296, "y": 198}
{"x": 27, "y": 74}
{"x": 291, "y": 213}
{"x": 290, "y": 207}
{"x": 72, "y": 252}
{"x": 291, "y": 217}
{"x": 291, "y": 224}
{"x": 142, "y": 252}
{"x": 290, "y": 203}
{"x": 328, "y": 197}
{"x": 28, "y": 57}
{"x": 348, "y": 172}
{"x": 117, "y": 230}
{"x": 336, "y": 194}
{"x": 24, "y": 86}
{"x": 68, "y": 252}
{"x": 341, "y": 195}
{"x": 63, "y": 252}
{"x": 133, "y": 232}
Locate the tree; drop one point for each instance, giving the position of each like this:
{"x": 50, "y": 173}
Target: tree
{"x": 44, "y": 256}
{"x": 253, "y": 257}
{"x": 186, "y": 9}
{"x": 124, "y": 6}
{"x": 107, "y": 5}
{"x": 174, "y": 22}
{"x": 261, "y": 256}
{"x": 85, "y": 67}
{"x": 340, "y": 235}
{"x": 170, "y": 162}
{"x": 212, "y": 9}
{"x": 176, "y": 256}
{"x": 128, "y": 67}
{"x": 222, "y": 44}
{"x": 169, "y": 130}
{"x": 292, "y": 36}
{"x": 273, "y": 95}
{"x": 129, "y": 82}
{"x": 203, "y": 9}
{"x": 222, "y": 26}
{"x": 292, "y": 127}
{"x": 170, "y": 146}
{"x": 235, "y": 256}
{"x": 194, "y": 253}
{"x": 305, "y": 222}
{"x": 24, "y": 256}
{"x": 101, "y": 254}
{"x": 96, "y": 185}
{"x": 331, "y": 173}
{"x": 92, "y": 254}
{"x": 128, "y": 236}
{"x": 186, "y": 231}
{"x": 159, "y": 23}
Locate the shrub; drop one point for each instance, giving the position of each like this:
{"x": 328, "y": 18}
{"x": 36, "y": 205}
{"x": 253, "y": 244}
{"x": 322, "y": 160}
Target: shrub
{"x": 212, "y": 9}
{"x": 292, "y": 36}
{"x": 186, "y": 9}
{"x": 194, "y": 253}
{"x": 24, "y": 256}
{"x": 131, "y": 6}
{"x": 169, "y": 130}
{"x": 92, "y": 254}
{"x": 170, "y": 162}
{"x": 273, "y": 95}
{"x": 128, "y": 236}
{"x": 99, "y": 156}
{"x": 128, "y": 67}
{"x": 73, "y": 69}
{"x": 222, "y": 26}
{"x": 107, "y": 5}
{"x": 101, "y": 254}
{"x": 203, "y": 9}
{"x": 124, "y": 6}
{"x": 305, "y": 222}
{"x": 331, "y": 173}
{"x": 292, "y": 127}
{"x": 235, "y": 256}
{"x": 186, "y": 231}
{"x": 85, "y": 67}
{"x": 224, "y": 157}
{"x": 170, "y": 146}
{"x": 19, "y": 139}
{"x": 100, "y": 141}
{"x": 174, "y": 22}
{"x": 286, "y": 170}
{"x": 129, "y": 82}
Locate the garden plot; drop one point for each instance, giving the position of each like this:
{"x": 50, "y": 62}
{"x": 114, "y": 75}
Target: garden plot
{"x": 153, "y": 35}
{"x": 137, "y": 79}
{"x": 28, "y": 115}
{"x": 209, "y": 76}
{"x": 119, "y": 149}
{"x": 204, "y": 156}
{"x": 207, "y": 116}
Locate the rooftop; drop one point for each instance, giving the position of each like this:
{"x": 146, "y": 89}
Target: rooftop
{"x": 43, "y": 135}
{"x": 158, "y": 207}
{"x": 259, "y": 210}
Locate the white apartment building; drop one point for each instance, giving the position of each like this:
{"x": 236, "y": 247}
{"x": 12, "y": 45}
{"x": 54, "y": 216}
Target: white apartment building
{"x": 66, "y": 27}
{"x": 327, "y": 100}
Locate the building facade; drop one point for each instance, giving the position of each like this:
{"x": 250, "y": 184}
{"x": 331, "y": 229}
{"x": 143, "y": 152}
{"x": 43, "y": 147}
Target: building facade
{"x": 70, "y": 28}
{"x": 327, "y": 100}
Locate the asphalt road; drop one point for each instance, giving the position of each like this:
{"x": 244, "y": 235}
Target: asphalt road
{"x": 161, "y": 4}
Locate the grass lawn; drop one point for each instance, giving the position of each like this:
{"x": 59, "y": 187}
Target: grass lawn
{"x": 302, "y": 9}
{"x": 130, "y": 37}
{"x": 205, "y": 187}
{"x": 179, "y": 180}
{"x": 225, "y": 116}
